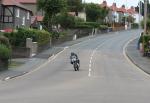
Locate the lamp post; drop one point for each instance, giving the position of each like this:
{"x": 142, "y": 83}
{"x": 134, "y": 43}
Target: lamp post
{"x": 139, "y": 5}
{"x": 126, "y": 27}
{"x": 145, "y": 16}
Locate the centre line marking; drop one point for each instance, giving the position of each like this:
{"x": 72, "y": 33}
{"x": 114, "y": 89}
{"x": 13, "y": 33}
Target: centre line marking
{"x": 91, "y": 58}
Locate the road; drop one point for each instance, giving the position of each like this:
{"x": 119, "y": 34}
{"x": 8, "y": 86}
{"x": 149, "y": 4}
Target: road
{"x": 105, "y": 76}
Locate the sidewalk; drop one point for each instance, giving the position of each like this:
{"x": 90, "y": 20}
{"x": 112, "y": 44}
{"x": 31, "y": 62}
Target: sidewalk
{"x": 135, "y": 56}
{"x": 29, "y": 64}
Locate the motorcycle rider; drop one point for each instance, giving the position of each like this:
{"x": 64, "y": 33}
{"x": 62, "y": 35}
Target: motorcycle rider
{"x": 74, "y": 58}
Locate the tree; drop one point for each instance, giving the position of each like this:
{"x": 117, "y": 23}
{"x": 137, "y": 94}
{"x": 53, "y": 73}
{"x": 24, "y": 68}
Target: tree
{"x": 94, "y": 12}
{"x": 51, "y": 9}
{"x": 75, "y": 5}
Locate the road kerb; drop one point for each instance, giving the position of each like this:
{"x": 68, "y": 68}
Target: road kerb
{"x": 130, "y": 60}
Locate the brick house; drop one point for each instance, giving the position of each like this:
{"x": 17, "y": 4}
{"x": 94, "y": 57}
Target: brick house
{"x": 14, "y": 15}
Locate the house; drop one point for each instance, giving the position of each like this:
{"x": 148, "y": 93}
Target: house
{"x": 138, "y": 17}
{"x": 32, "y": 5}
{"x": 14, "y": 15}
{"x": 38, "y": 15}
{"x": 113, "y": 15}
{"x": 122, "y": 13}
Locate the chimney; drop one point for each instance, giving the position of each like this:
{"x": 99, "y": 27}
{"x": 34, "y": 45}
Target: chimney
{"x": 105, "y": 2}
{"x": 123, "y": 6}
{"x": 114, "y": 4}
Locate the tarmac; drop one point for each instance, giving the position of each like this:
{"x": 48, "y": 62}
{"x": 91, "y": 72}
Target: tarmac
{"x": 27, "y": 65}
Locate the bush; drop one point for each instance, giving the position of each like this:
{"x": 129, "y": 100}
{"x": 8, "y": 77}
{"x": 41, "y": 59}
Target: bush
{"x": 103, "y": 27}
{"x": 81, "y": 26}
{"x": 19, "y": 38}
{"x": 144, "y": 39}
{"x": 148, "y": 24}
{"x": 4, "y": 41}
{"x": 65, "y": 20}
{"x": 134, "y": 25}
{"x": 5, "y": 52}
{"x": 57, "y": 35}
{"x": 89, "y": 24}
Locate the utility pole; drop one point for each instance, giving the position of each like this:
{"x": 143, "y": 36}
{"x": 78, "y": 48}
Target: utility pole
{"x": 145, "y": 16}
{"x": 126, "y": 25}
{"x": 139, "y": 13}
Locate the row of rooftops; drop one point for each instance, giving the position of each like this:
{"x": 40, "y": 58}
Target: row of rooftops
{"x": 17, "y": 3}
{"x": 122, "y": 9}
{"x": 104, "y": 4}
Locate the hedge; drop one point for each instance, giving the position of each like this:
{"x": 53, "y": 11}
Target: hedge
{"x": 91, "y": 25}
{"x": 4, "y": 41}
{"x": 5, "y": 52}
{"x": 144, "y": 39}
{"x": 18, "y": 38}
{"x": 134, "y": 25}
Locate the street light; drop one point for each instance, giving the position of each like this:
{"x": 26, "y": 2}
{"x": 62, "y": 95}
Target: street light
{"x": 126, "y": 17}
{"x": 145, "y": 16}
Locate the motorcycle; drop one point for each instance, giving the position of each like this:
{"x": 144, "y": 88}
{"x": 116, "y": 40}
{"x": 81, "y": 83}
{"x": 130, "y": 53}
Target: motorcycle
{"x": 76, "y": 64}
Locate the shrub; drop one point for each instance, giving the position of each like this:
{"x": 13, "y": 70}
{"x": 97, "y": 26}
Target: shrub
{"x": 4, "y": 41}
{"x": 5, "y": 52}
{"x": 19, "y": 38}
{"x": 103, "y": 27}
{"x": 65, "y": 20}
{"x": 81, "y": 26}
{"x": 134, "y": 25}
{"x": 57, "y": 35}
{"x": 89, "y": 24}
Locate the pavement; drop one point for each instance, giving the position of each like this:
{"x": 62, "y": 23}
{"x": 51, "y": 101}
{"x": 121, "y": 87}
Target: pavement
{"x": 136, "y": 57}
{"x": 26, "y": 65}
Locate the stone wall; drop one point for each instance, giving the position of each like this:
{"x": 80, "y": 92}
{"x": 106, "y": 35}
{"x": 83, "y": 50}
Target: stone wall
{"x": 18, "y": 52}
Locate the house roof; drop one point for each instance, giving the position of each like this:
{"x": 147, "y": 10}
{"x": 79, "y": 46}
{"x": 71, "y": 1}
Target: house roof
{"x": 104, "y": 4}
{"x": 27, "y": 1}
{"x": 132, "y": 10}
{"x": 39, "y": 18}
{"x": 13, "y": 3}
{"x": 36, "y": 18}
{"x": 122, "y": 10}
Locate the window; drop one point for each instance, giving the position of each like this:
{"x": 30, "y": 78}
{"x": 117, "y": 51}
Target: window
{"x": 23, "y": 21}
{"x": 8, "y": 19}
{"x": 18, "y": 13}
{"x": 28, "y": 15}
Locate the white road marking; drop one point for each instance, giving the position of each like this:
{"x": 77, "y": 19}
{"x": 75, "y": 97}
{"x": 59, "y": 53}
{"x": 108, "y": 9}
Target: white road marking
{"x": 7, "y": 78}
{"x": 91, "y": 57}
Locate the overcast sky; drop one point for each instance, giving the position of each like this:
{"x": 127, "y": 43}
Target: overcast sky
{"x": 119, "y": 2}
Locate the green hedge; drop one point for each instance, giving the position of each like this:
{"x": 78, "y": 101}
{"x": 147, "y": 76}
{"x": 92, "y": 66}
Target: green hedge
{"x": 18, "y": 38}
{"x": 5, "y": 52}
{"x": 103, "y": 27}
{"x": 4, "y": 41}
{"x": 135, "y": 26}
{"x": 144, "y": 39}
{"x": 58, "y": 35}
{"x": 89, "y": 24}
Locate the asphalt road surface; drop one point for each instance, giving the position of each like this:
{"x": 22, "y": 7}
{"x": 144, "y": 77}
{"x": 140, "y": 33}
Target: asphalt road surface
{"x": 105, "y": 76}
